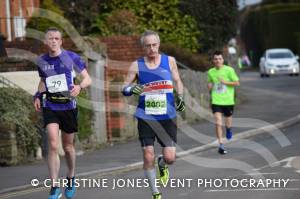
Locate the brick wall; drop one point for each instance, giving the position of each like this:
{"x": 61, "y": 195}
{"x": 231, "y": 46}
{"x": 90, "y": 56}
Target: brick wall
{"x": 122, "y": 48}
{"x": 121, "y": 51}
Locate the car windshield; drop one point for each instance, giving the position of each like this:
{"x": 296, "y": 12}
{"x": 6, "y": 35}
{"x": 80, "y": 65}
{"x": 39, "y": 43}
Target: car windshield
{"x": 280, "y": 55}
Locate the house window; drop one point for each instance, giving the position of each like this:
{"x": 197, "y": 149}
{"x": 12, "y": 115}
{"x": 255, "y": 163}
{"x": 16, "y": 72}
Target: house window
{"x": 19, "y": 26}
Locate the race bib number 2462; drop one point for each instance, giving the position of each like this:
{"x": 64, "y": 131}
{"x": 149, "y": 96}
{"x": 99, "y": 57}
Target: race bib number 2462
{"x": 156, "y": 104}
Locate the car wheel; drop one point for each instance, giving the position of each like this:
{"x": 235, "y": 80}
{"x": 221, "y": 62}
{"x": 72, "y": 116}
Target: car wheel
{"x": 297, "y": 74}
{"x": 262, "y": 75}
{"x": 267, "y": 75}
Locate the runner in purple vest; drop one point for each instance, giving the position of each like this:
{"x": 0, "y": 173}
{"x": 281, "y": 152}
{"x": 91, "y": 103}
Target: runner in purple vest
{"x": 56, "y": 99}
{"x": 156, "y": 112}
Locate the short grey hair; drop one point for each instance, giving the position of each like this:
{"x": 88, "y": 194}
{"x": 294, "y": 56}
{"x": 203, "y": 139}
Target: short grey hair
{"x": 148, "y": 33}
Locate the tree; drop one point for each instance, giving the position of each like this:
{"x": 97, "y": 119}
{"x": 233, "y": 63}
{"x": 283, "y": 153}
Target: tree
{"x": 120, "y": 22}
{"x": 81, "y": 13}
{"x": 216, "y": 20}
{"x": 271, "y": 26}
{"x": 40, "y": 21}
{"x": 162, "y": 16}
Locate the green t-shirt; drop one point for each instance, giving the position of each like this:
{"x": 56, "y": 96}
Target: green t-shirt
{"x": 222, "y": 94}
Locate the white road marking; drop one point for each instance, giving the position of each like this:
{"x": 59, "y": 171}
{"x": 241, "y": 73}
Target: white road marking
{"x": 273, "y": 173}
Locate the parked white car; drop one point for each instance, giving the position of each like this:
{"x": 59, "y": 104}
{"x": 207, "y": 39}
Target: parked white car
{"x": 278, "y": 61}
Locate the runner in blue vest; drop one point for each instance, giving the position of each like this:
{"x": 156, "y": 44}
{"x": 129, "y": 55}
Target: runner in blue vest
{"x": 156, "y": 112}
{"x": 56, "y": 70}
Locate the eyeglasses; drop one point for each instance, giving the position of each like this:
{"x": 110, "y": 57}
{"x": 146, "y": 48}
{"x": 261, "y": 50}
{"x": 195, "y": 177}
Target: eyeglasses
{"x": 155, "y": 45}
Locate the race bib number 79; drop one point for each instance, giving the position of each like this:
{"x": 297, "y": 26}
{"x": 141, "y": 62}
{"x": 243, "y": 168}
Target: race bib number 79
{"x": 57, "y": 83}
{"x": 156, "y": 104}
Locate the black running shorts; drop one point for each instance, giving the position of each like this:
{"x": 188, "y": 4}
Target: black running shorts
{"x": 67, "y": 120}
{"x": 165, "y": 131}
{"x": 226, "y": 110}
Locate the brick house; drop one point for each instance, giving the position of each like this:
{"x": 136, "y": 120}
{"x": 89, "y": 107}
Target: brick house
{"x": 14, "y": 14}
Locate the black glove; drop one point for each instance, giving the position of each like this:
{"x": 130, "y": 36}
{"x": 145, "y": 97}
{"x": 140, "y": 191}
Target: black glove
{"x": 180, "y": 106}
{"x": 137, "y": 89}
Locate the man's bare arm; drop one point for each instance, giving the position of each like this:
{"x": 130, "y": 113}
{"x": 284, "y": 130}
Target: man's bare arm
{"x": 41, "y": 86}
{"x": 180, "y": 105}
{"x": 210, "y": 86}
{"x": 129, "y": 89}
{"x": 175, "y": 75}
{"x": 86, "y": 81}
{"x": 37, "y": 101}
{"x": 132, "y": 74}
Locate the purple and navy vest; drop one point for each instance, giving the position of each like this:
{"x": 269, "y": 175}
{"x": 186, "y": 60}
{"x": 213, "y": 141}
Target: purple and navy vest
{"x": 66, "y": 63}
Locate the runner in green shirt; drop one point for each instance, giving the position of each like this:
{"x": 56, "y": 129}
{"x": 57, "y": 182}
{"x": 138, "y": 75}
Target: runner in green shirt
{"x": 221, "y": 82}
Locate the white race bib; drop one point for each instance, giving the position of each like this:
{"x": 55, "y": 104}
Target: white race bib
{"x": 220, "y": 88}
{"x": 156, "y": 104}
{"x": 57, "y": 83}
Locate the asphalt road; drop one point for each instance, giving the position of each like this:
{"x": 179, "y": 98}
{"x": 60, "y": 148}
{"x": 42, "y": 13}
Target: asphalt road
{"x": 287, "y": 168}
{"x": 277, "y": 96}
{"x": 260, "y": 160}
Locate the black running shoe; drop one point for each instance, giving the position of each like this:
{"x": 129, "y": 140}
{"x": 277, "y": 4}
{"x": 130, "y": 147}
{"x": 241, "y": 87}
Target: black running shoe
{"x": 222, "y": 151}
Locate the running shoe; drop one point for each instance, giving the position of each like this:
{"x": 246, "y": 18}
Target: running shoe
{"x": 70, "y": 189}
{"x": 163, "y": 172}
{"x": 156, "y": 196}
{"x": 55, "y": 193}
{"x": 228, "y": 134}
{"x": 222, "y": 151}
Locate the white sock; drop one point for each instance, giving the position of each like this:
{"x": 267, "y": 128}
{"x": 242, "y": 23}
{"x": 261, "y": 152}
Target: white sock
{"x": 150, "y": 174}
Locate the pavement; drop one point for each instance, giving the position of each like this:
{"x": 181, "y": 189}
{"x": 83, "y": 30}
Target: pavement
{"x": 267, "y": 106}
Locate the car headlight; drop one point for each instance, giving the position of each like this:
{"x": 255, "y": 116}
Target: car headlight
{"x": 270, "y": 65}
{"x": 295, "y": 63}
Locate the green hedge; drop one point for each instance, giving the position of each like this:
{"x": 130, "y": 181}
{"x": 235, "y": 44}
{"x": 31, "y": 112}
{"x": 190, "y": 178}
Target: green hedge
{"x": 195, "y": 61}
{"x": 17, "y": 110}
{"x": 271, "y": 26}
{"x": 162, "y": 16}
{"x": 85, "y": 114}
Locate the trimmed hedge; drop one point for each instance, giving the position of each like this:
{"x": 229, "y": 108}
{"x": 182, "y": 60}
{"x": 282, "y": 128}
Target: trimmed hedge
{"x": 85, "y": 113}
{"x": 271, "y": 26}
{"x": 85, "y": 116}
{"x": 195, "y": 61}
